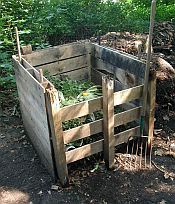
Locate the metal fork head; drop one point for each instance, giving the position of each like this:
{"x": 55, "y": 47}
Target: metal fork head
{"x": 138, "y": 154}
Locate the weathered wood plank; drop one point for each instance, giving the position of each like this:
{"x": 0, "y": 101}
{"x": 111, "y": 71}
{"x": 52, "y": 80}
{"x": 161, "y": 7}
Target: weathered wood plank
{"x": 44, "y": 144}
{"x": 32, "y": 102}
{"x": 43, "y": 153}
{"x": 82, "y": 131}
{"x": 108, "y": 120}
{"x": 87, "y": 107}
{"x": 65, "y": 65}
{"x": 78, "y": 74}
{"x": 127, "y": 116}
{"x": 123, "y": 137}
{"x": 56, "y": 53}
{"x": 26, "y": 49}
{"x": 96, "y": 78}
{"x": 125, "y": 78}
{"x": 151, "y": 100}
{"x": 81, "y": 109}
{"x": 97, "y": 126}
{"x": 119, "y": 59}
{"x": 55, "y": 124}
{"x": 128, "y": 95}
{"x": 84, "y": 151}
{"x": 36, "y": 74}
{"x": 37, "y": 115}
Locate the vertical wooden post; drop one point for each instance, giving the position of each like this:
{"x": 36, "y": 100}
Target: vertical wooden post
{"x": 108, "y": 121}
{"x": 149, "y": 118}
{"x": 18, "y": 44}
{"x": 26, "y": 49}
{"x": 41, "y": 75}
{"x": 55, "y": 123}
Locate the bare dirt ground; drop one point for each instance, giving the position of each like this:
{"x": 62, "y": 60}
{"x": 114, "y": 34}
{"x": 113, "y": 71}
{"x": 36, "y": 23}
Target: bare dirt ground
{"x": 23, "y": 179}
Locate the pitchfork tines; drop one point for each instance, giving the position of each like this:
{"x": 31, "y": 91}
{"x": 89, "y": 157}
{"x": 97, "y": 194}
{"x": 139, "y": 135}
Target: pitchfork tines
{"x": 137, "y": 155}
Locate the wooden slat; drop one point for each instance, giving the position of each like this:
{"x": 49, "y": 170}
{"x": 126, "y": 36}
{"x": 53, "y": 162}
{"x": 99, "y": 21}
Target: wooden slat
{"x": 25, "y": 90}
{"x": 96, "y": 78}
{"x": 82, "y": 131}
{"x": 81, "y": 109}
{"x": 20, "y": 69}
{"x": 84, "y": 151}
{"x": 108, "y": 120}
{"x": 32, "y": 102}
{"x": 44, "y": 153}
{"x": 128, "y": 95}
{"x": 96, "y": 126}
{"x": 36, "y": 113}
{"x": 78, "y": 74}
{"x": 127, "y": 79}
{"x": 36, "y": 73}
{"x": 37, "y": 128}
{"x": 27, "y": 49}
{"x": 56, "y": 53}
{"x": 65, "y": 65}
{"x": 119, "y": 59}
{"x": 93, "y": 148}
{"x": 123, "y": 137}
{"x": 127, "y": 116}
{"x": 55, "y": 124}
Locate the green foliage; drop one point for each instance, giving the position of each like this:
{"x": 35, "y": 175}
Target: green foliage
{"x": 7, "y": 79}
{"x": 148, "y": 2}
{"x": 46, "y": 22}
{"x": 73, "y": 91}
{"x": 55, "y": 21}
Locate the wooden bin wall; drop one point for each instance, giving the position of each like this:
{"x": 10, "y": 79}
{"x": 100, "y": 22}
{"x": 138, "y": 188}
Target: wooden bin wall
{"x": 33, "y": 109}
{"x": 66, "y": 60}
{"x": 80, "y": 60}
{"x": 72, "y": 60}
{"x": 127, "y": 69}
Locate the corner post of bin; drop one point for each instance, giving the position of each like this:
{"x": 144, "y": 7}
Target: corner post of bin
{"x": 55, "y": 125}
{"x": 150, "y": 110}
{"x": 27, "y": 49}
{"x": 108, "y": 121}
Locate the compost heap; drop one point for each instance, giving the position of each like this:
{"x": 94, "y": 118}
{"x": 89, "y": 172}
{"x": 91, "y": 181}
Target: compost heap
{"x": 136, "y": 44}
{"x": 163, "y": 61}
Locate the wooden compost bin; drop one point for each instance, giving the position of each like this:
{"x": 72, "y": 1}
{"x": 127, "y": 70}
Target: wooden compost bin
{"x": 43, "y": 117}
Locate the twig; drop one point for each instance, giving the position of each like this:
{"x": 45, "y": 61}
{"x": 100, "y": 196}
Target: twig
{"x": 171, "y": 174}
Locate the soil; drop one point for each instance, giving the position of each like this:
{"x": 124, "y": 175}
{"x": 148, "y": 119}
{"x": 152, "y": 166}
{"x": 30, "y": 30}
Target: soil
{"x": 23, "y": 179}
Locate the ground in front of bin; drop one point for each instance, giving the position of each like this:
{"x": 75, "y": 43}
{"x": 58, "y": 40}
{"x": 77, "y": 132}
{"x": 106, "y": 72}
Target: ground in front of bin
{"x": 23, "y": 179}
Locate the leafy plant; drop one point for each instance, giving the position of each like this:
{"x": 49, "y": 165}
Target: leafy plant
{"x": 45, "y": 23}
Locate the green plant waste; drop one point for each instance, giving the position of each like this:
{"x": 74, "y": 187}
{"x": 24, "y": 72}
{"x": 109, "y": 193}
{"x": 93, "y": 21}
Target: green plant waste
{"x": 72, "y": 92}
